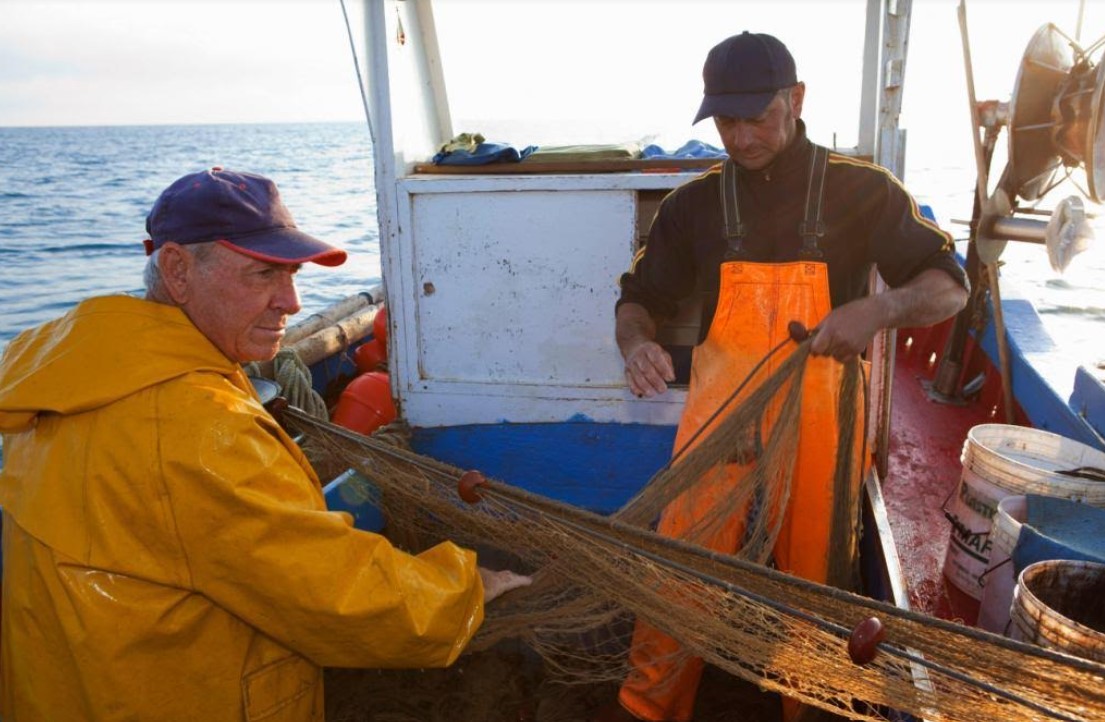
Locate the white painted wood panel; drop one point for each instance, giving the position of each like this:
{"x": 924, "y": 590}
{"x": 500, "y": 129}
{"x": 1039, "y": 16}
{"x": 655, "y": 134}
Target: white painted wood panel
{"x": 508, "y": 298}
{"x": 519, "y": 287}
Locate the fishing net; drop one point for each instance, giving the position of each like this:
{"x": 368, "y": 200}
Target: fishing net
{"x": 594, "y": 574}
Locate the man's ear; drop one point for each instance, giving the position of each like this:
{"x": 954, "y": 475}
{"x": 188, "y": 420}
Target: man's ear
{"x": 175, "y": 265}
{"x": 797, "y": 95}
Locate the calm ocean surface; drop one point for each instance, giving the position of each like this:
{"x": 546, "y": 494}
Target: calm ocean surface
{"x": 73, "y": 203}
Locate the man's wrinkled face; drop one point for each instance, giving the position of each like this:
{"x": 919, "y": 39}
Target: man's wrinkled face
{"x": 754, "y": 143}
{"x": 240, "y": 303}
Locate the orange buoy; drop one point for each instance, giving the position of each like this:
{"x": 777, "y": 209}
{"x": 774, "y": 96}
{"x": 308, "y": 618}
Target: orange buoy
{"x": 467, "y": 483}
{"x": 863, "y": 645}
{"x": 366, "y": 404}
{"x": 380, "y": 329}
{"x": 370, "y": 356}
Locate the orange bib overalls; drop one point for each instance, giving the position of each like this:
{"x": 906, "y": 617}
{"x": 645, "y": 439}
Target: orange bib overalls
{"x": 756, "y": 302}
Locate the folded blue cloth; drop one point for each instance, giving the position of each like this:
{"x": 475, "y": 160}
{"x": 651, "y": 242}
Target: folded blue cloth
{"x": 690, "y": 149}
{"x": 1057, "y": 528}
{"x": 483, "y": 153}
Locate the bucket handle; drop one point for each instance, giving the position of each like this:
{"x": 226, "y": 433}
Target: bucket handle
{"x": 1091, "y": 473}
{"x": 959, "y": 526}
{"x": 944, "y": 506}
{"x": 999, "y": 565}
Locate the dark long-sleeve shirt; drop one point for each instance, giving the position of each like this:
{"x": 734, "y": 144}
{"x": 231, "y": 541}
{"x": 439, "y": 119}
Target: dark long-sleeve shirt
{"x": 870, "y": 219}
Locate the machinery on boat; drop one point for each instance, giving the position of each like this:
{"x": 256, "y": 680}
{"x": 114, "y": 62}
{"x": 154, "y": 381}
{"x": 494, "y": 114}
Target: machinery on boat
{"x": 1051, "y": 129}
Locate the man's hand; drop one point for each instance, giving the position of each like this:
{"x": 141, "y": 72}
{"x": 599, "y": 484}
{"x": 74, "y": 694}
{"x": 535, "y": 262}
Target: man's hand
{"x": 495, "y": 584}
{"x": 647, "y": 365}
{"x": 648, "y": 368}
{"x": 847, "y": 330}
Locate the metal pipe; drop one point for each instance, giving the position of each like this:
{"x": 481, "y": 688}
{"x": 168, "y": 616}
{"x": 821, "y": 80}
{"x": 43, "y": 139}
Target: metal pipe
{"x": 1019, "y": 229}
{"x": 981, "y": 165}
{"x": 1004, "y": 362}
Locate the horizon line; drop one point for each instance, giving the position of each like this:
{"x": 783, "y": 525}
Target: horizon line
{"x": 158, "y": 124}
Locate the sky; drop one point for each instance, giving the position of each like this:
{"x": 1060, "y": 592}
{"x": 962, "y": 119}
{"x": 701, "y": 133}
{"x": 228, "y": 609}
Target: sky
{"x": 141, "y": 62}
{"x": 96, "y": 62}
{"x": 138, "y": 62}
{"x": 630, "y": 69}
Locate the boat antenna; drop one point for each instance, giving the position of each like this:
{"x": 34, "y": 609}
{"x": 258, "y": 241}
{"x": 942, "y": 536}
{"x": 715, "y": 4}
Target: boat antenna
{"x": 357, "y": 71}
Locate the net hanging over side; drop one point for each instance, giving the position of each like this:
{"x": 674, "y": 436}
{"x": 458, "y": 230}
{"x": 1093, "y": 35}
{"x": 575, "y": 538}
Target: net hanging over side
{"x": 594, "y": 574}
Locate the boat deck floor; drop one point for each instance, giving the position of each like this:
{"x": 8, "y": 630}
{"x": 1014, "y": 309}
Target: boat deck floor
{"x": 501, "y": 685}
{"x": 923, "y": 471}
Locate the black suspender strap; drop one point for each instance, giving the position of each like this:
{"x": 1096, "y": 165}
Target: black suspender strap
{"x": 813, "y": 228}
{"x": 730, "y": 206}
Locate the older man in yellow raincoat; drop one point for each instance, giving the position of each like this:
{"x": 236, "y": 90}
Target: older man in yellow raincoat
{"x": 168, "y": 554}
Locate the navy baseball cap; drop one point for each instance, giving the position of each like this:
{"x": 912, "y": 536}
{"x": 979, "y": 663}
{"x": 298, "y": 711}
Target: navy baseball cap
{"x": 743, "y": 73}
{"x": 242, "y": 211}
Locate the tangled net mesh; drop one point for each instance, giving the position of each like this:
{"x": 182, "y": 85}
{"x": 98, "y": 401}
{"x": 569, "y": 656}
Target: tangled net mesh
{"x": 594, "y": 574}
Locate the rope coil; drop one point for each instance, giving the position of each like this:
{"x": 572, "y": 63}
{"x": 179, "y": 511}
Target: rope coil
{"x": 294, "y": 378}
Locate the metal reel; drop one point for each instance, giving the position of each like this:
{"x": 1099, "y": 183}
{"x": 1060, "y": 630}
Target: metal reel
{"x": 1044, "y": 70}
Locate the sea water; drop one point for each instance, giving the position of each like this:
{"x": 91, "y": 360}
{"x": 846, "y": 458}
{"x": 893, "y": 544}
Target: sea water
{"x": 73, "y": 202}
{"x": 73, "y": 205}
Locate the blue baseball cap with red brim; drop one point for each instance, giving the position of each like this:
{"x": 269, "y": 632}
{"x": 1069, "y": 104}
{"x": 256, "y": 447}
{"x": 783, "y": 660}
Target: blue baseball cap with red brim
{"x": 241, "y": 211}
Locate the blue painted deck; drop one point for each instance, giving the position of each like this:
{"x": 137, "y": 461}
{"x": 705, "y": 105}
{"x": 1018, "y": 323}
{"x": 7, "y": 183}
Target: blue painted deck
{"x": 590, "y": 465}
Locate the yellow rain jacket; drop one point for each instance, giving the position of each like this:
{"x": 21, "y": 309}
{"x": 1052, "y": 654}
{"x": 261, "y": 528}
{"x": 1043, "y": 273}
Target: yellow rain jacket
{"x": 167, "y": 551}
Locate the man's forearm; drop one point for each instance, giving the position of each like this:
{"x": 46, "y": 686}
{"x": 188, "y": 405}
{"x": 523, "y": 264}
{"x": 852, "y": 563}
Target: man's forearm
{"x": 929, "y": 298}
{"x": 633, "y": 324}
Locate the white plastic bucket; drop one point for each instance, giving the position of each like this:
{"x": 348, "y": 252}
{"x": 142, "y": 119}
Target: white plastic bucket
{"x": 1057, "y": 604}
{"x": 998, "y": 581}
{"x": 1001, "y": 460}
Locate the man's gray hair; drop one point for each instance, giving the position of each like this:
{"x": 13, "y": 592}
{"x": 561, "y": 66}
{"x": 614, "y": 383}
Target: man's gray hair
{"x": 151, "y": 275}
